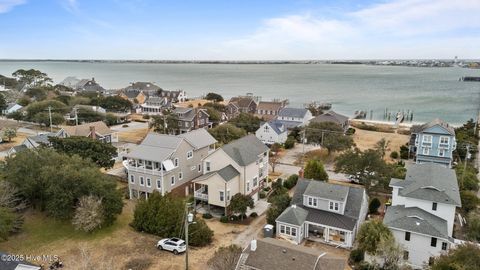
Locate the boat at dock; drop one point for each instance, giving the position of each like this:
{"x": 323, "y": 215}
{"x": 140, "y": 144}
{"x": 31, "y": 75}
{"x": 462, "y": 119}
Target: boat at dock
{"x": 470, "y": 79}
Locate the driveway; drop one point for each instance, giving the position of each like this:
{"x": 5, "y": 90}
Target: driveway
{"x": 253, "y": 231}
{"x": 131, "y": 126}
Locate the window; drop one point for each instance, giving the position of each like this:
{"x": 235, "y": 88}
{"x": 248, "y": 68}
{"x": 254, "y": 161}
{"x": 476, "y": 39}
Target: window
{"x": 265, "y": 129}
{"x": 294, "y": 231}
{"x": 207, "y": 166}
{"x": 433, "y": 242}
{"x": 228, "y": 195}
{"x": 222, "y": 196}
{"x": 149, "y": 182}
{"x": 444, "y": 246}
{"x": 405, "y": 255}
{"x": 434, "y": 206}
{"x": 175, "y": 162}
{"x": 427, "y": 139}
{"x": 187, "y": 124}
{"x": 426, "y": 151}
{"x": 180, "y": 176}
{"x": 142, "y": 182}
{"x": 312, "y": 201}
{"x": 287, "y": 230}
{"x": 282, "y": 229}
{"x": 172, "y": 180}
{"x": 199, "y": 167}
{"x": 202, "y": 121}
{"x": 159, "y": 183}
{"x": 407, "y": 236}
{"x": 441, "y": 152}
{"x": 248, "y": 186}
{"x": 444, "y": 140}
{"x": 255, "y": 181}
{"x": 132, "y": 179}
{"x": 189, "y": 154}
{"x": 333, "y": 206}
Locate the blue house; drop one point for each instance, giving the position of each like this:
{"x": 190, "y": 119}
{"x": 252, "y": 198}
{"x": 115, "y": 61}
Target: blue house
{"x": 433, "y": 142}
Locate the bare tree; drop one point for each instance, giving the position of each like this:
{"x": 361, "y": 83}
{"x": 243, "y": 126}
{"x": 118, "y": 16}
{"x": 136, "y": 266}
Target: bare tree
{"x": 88, "y": 214}
{"x": 9, "y": 197}
{"x": 225, "y": 258}
{"x": 382, "y": 147}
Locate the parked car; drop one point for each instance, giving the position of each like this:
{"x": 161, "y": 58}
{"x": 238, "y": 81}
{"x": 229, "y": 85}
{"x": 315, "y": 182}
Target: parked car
{"x": 175, "y": 245}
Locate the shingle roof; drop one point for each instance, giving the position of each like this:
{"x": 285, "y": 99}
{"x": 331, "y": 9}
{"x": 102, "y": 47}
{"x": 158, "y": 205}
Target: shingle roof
{"x": 331, "y": 116}
{"x": 326, "y": 190}
{"x": 441, "y": 123}
{"x": 414, "y": 219}
{"x": 42, "y": 138}
{"x": 289, "y": 124}
{"x": 431, "y": 182}
{"x": 131, "y": 93}
{"x": 293, "y": 215}
{"x": 142, "y": 86}
{"x": 228, "y": 173}
{"x": 20, "y": 148}
{"x": 242, "y": 102}
{"x": 245, "y": 150}
{"x": 352, "y": 207}
{"x": 276, "y": 126}
{"x": 274, "y": 254}
{"x": 270, "y": 105}
{"x": 293, "y": 112}
{"x": 84, "y": 129}
{"x": 199, "y": 138}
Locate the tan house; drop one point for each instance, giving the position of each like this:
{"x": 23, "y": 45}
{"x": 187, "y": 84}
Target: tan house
{"x": 238, "y": 167}
{"x": 95, "y": 130}
{"x": 268, "y": 110}
{"x": 134, "y": 96}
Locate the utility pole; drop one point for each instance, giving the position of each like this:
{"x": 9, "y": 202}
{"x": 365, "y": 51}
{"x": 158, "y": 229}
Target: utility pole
{"x": 76, "y": 117}
{"x": 50, "y": 116}
{"x": 188, "y": 220}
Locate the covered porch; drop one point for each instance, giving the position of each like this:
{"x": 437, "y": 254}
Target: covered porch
{"x": 330, "y": 235}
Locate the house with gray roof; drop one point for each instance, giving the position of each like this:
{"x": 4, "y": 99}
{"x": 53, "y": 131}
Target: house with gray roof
{"x": 238, "y": 167}
{"x": 423, "y": 211}
{"x": 155, "y": 105}
{"x": 331, "y": 116}
{"x": 166, "y": 163}
{"x": 324, "y": 212}
{"x": 294, "y": 117}
{"x": 191, "y": 119}
{"x": 433, "y": 142}
{"x": 88, "y": 85}
{"x": 272, "y": 132}
{"x": 274, "y": 254}
{"x": 33, "y": 142}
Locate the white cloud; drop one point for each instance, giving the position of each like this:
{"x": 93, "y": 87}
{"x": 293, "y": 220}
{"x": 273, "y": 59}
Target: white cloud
{"x": 7, "y": 5}
{"x": 395, "y": 29}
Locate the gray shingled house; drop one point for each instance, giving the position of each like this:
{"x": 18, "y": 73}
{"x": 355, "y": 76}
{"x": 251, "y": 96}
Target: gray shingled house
{"x": 323, "y": 212}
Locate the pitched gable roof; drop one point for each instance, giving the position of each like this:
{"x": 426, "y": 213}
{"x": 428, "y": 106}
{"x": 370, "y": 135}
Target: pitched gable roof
{"x": 331, "y": 116}
{"x": 293, "y": 215}
{"x": 199, "y": 138}
{"x": 242, "y": 102}
{"x": 142, "y": 86}
{"x": 431, "y": 182}
{"x": 435, "y": 122}
{"x": 293, "y": 112}
{"x": 277, "y": 126}
{"x": 327, "y": 190}
{"x": 270, "y": 105}
{"x": 84, "y": 129}
{"x": 245, "y": 150}
{"x": 228, "y": 173}
{"x": 414, "y": 219}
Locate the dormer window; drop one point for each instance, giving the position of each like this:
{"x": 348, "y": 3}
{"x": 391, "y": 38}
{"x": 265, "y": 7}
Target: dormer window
{"x": 312, "y": 202}
{"x": 334, "y": 206}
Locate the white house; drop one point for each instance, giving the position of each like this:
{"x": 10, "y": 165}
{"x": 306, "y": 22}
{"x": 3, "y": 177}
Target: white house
{"x": 294, "y": 117}
{"x": 423, "y": 211}
{"x": 323, "y": 212}
{"x": 272, "y": 132}
{"x": 11, "y": 108}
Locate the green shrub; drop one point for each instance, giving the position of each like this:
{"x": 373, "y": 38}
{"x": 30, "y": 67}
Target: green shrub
{"x": 199, "y": 234}
{"x": 374, "y": 205}
{"x": 146, "y": 116}
{"x": 350, "y": 131}
{"x": 404, "y": 152}
{"x": 262, "y": 194}
{"x": 356, "y": 256}
{"x": 290, "y": 182}
{"x": 266, "y": 189}
{"x": 253, "y": 215}
{"x": 289, "y": 143}
{"x": 207, "y": 216}
{"x": 394, "y": 155}
{"x": 224, "y": 219}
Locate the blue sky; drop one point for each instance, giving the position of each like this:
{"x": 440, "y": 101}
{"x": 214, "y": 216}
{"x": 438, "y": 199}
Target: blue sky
{"x": 243, "y": 30}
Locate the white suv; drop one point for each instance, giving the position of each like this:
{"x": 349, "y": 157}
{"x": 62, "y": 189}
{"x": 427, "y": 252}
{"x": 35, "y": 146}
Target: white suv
{"x": 176, "y": 245}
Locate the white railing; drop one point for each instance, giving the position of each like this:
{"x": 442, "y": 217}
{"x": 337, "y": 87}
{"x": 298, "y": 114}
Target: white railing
{"x": 141, "y": 168}
{"x": 199, "y": 194}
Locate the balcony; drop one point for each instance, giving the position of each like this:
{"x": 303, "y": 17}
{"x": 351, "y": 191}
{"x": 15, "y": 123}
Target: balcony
{"x": 131, "y": 165}
{"x": 201, "y": 194}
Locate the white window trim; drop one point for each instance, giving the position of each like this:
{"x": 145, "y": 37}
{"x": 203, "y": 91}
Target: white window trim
{"x": 132, "y": 179}
{"x": 289, "y": 232}
{"x": 312, "y": 201}
{"x": 445, "y": 143}
{"x": 172, "y": 178}
{"x": 180, "y": 176}
{"x": 332, "y": 204}
{"x": 159, "y": 181}
{"x": 208, "y": 166}
{"x": 141, "y": 180}
{"x": 189, "y": 154}
{"x": 426, "y": 151}
{"x": 148, "y": 180}
{"x": 199, "y": 167}
{"x": 220, "y": 197}
{"x": 248, "y": 186}
{"x": 427, "y": 141}
{"x": 441, "y": 152}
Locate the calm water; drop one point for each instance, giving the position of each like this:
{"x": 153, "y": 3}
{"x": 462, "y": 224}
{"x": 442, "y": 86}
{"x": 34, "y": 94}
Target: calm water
{"x": 429, "y": 92}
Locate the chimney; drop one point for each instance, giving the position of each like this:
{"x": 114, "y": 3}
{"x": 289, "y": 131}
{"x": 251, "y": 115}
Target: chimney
{"x": 253, "y": 245}
{"x": 93, "y": 135}
{"x": 197, "y": 118}
{"x": 300, "y": 173}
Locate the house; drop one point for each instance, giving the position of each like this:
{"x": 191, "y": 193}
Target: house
{"x": 268, "y": 110}
{"x": 95, "y": 130}
{"x": 294, "y": 117}
{"x": 272, "y": 132}
{"x": 191, "y": 119}
{"x": 148, "y": 88}
{"x": 423, "y": 208}
{"x": 274, "y": 254}
{"x": 238, "y": 167}
{"x": 33, "y": 142}
{"x": 241, "y": 104}
{"x": 433, "y": 142}
{"x": 155, "y": 105}
{"x": 166, "y": 162}
{"x": 70, "y": 82}
{"x": 134, "y": 96}
{"x": 331, "y": 116}
{"x": 324, "y": 212}
{"x": 174, "y": 96}
{"x": 11, "y": 108}
{"x": 15, "y": 263}
{"x": 86, "y": 85}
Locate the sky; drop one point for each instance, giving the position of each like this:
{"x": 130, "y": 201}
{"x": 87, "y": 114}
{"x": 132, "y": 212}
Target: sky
{"x": 239, "y": 30}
